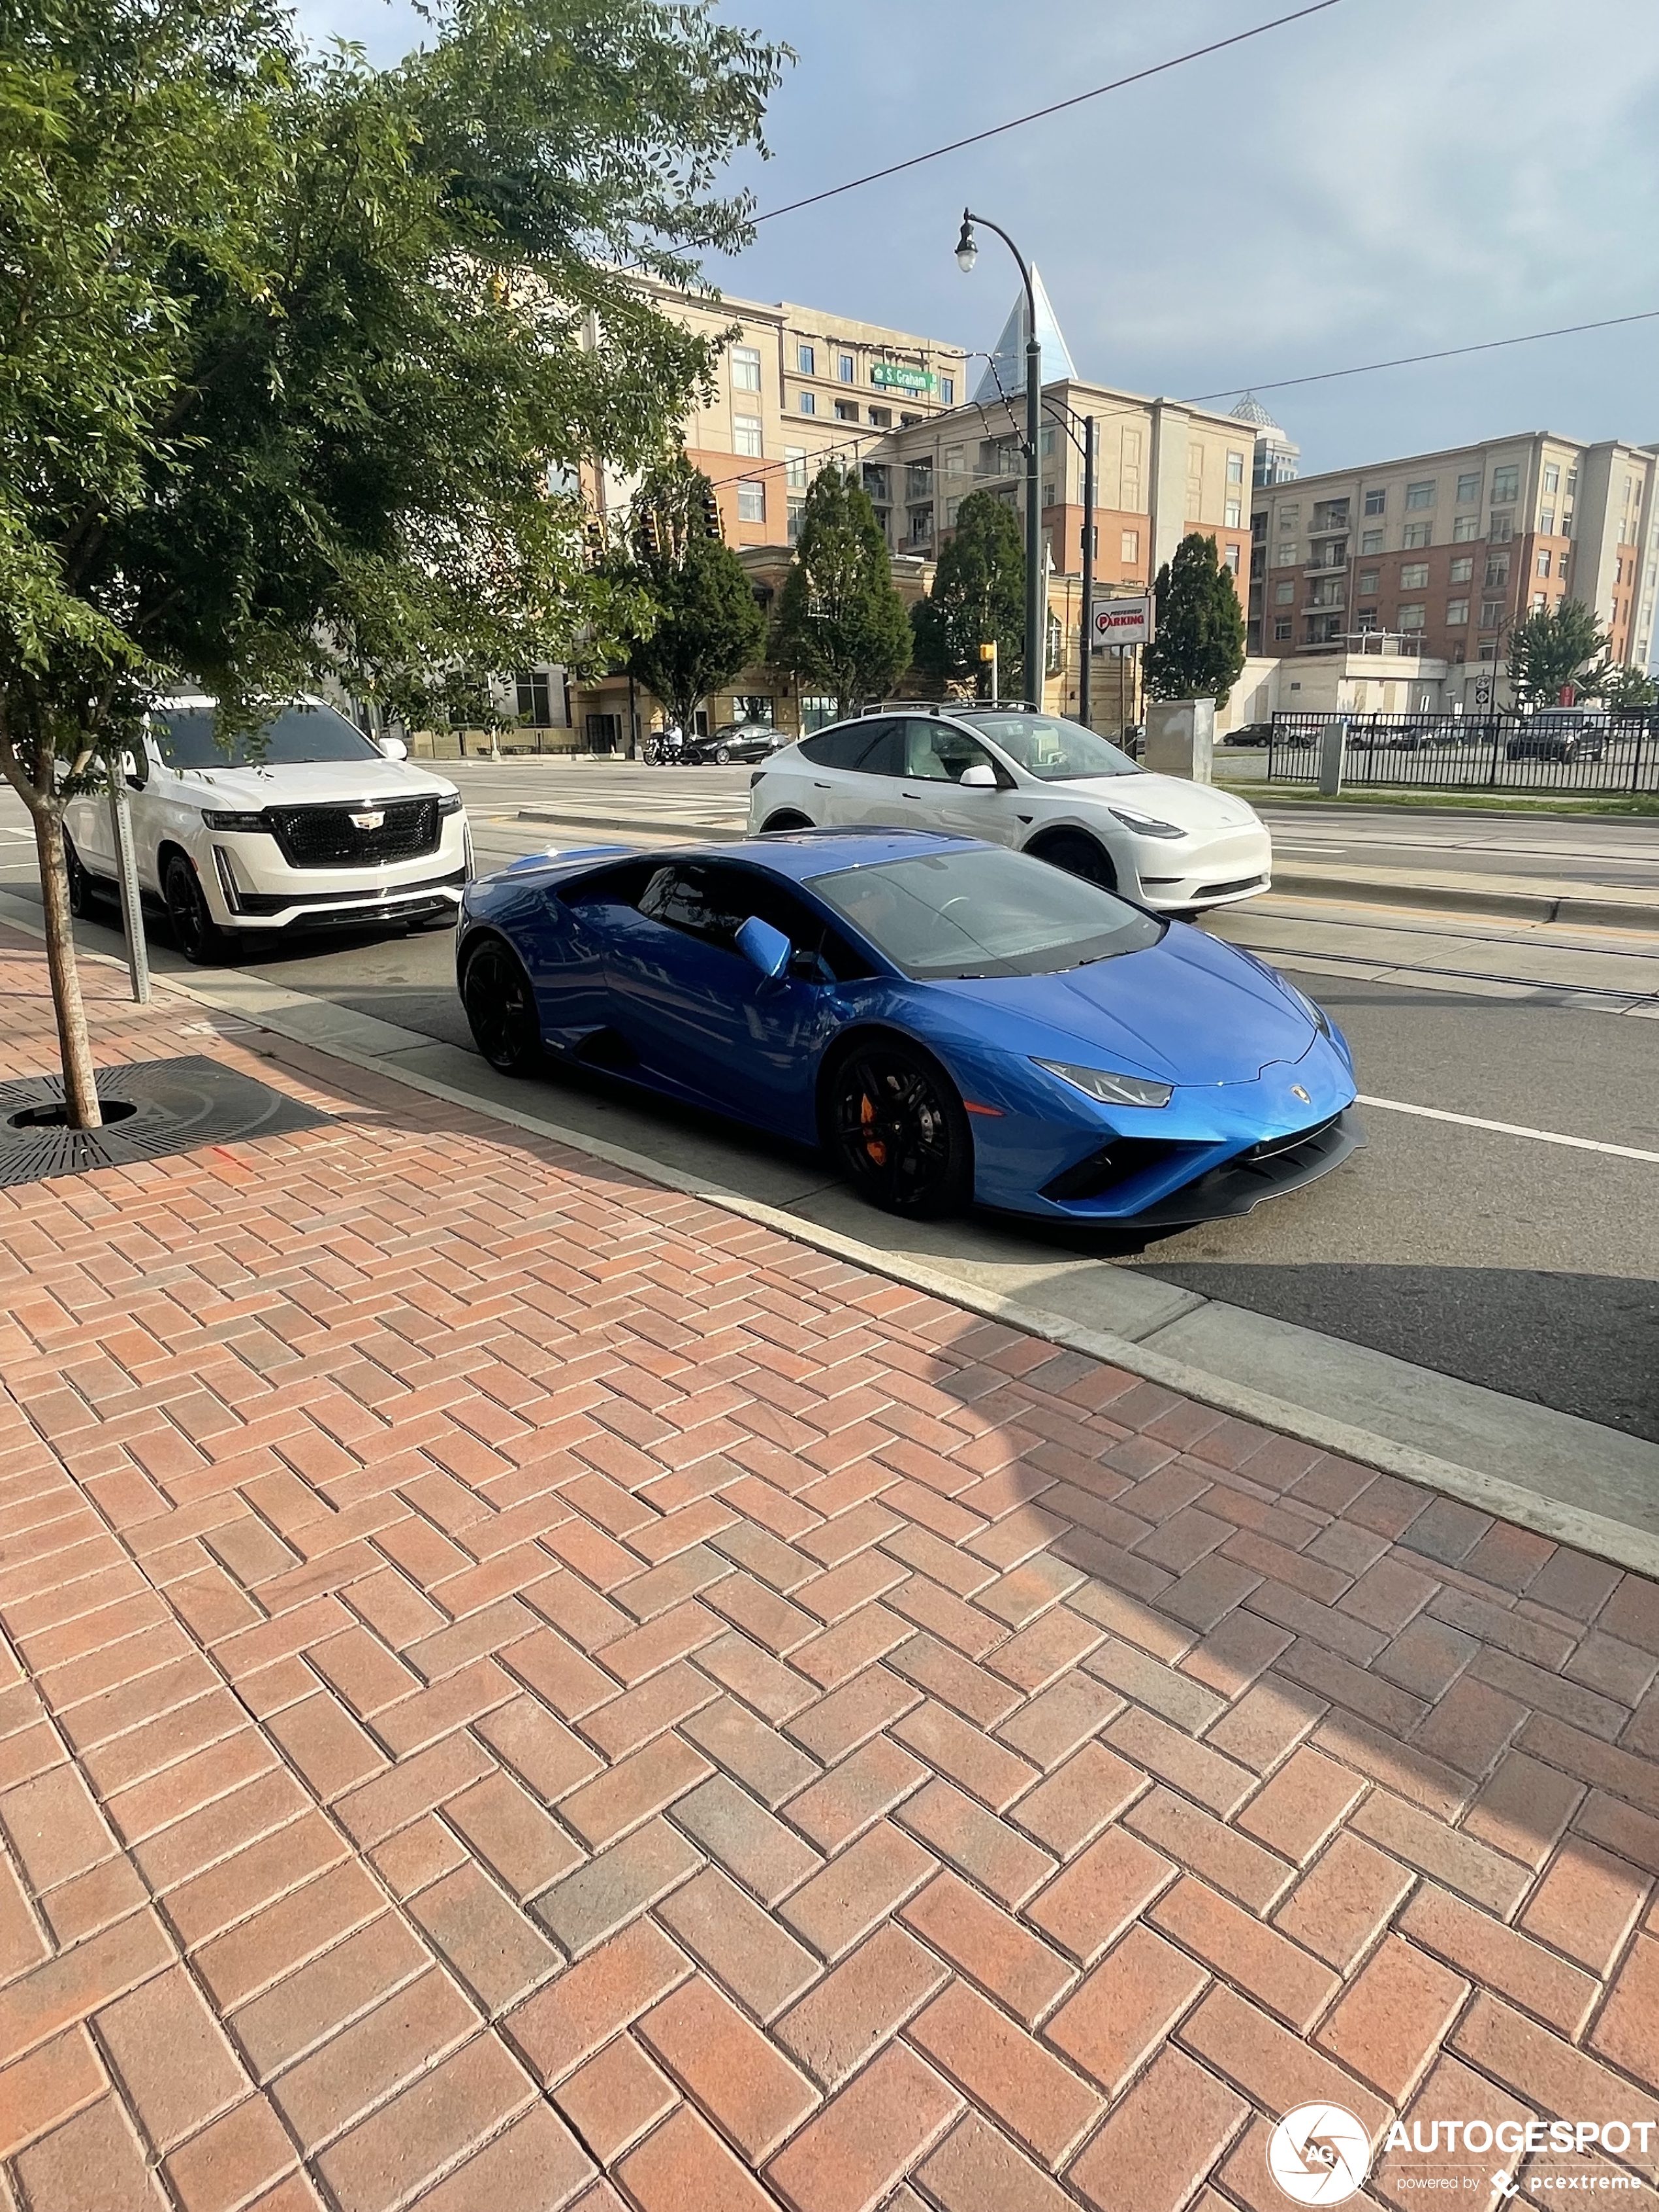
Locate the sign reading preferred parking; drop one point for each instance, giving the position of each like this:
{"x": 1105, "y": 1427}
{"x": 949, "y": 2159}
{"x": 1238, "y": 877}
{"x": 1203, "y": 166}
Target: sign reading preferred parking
{"x": 1121, "y": 622}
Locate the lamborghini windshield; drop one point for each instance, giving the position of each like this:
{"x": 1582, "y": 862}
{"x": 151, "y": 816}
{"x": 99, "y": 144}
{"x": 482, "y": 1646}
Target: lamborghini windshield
{"x": 983, "y": 912}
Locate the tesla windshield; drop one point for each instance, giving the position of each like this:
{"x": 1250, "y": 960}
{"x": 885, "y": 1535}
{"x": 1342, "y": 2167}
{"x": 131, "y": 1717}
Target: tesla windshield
{"x": 983, "y": 912}
{"x": 188, "y": 739}
{"x": 1048, "y": 746}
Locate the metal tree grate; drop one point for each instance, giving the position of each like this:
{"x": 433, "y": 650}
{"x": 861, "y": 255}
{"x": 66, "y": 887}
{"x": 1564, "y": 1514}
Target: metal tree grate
{"x": 178, "y": 1104}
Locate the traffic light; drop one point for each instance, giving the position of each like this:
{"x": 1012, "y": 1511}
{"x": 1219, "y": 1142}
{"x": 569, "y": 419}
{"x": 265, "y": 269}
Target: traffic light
{"x": 593, "y": 541}
{"x": 649, "y": 536}
{"x": 711, "y": 513}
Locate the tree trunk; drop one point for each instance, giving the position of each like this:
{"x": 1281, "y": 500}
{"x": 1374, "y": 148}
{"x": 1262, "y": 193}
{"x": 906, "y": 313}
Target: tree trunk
{"x": 80, "y": 1082}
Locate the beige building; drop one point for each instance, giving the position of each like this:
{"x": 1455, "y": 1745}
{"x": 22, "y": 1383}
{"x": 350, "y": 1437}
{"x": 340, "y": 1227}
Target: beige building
{"x": 1438, "y": 555}
{"x": 798, "y": 386}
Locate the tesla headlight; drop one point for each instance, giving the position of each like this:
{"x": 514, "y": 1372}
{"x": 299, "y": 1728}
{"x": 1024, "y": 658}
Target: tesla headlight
{"x": 215, "y": 820}
{"x": 1147, "y": 825}
{"x": 1111, "y": 1090}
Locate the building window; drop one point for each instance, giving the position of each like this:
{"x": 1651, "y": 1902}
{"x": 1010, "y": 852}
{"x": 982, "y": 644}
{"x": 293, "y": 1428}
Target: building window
{"x": 1414, "y": 576}
{"x": 955, "y": 461}
{"x": 1544, "y": 560}
{"x": 751, "y": 502}
{"x": 1330, "y": 514}
{"x": 807, "y": 359}
{"x": 745, "y": 368}
{"x": 1370, "y": 540}
{"x": 1464, "y": 527}
{"x": 1288, "y": 518}
{"x": 1457, "y": 614}
{"x": 847, "y": 411}
{"x": 1497, "y": 571}
{"x": 877, "y": 479}
{"x": 1048, "y": 439}
{"x": 947, "y": 391}
{"x": 1540, "y": 601}
{"x": 794, "y": 510}
{"x": 1368, "y": 580}
{"x": 950, "y": 507}
{"x": 1235, "y": 468}
{"x": 921, "y": 526}
{"x": 1546, "y": 521}
{"x": 1420, "y": 494}
{"x": 1416, "y": 534}
{"x": 1491, "y": 614}
{"x": 1229, "y": 560}
{"x": 1500, "y": 528}
{"x": 1552, "y": 478}
{"x": 1365, "y": 619}
{"x": 794, "y": 468}
{"x": 1469, "y": 488}
{"x": 1505, "y": 487}
{"x": 882, "y": 417}
{"x": 1572, "y": 483}
{"x": 746, "y": 436}
{"x": 1284, "y": 557}
{"x": 1284, "y": 629}
{"x": 1233, "y": 514}
{"x": 1377, "y": 502}
{"x": 1412, "y": 617}
{"x": 535, "y": 700}
{"x": 844, "y": 368}
{"x": 1130, "y": 546}
{"x": 1048, "y": 494}
{"x": 919, "y": 480}
{"x": 808, "y": 402}
{"x": 1284, "y": 595}
{"x": 1463, "y": 569}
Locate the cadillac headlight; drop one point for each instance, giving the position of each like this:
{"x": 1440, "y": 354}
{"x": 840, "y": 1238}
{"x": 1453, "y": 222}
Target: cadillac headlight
{"x": 1107, "y": 1089}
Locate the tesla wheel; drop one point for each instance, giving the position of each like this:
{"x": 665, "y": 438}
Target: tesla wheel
{"x": 898, "y": 1131}
{"x": 786, "y": 820}
{"x": 1078, "y": 856}
{"x": 195, "y": 931}
{"x": 82, "y": 903}
{"x": 501, "y": 1008}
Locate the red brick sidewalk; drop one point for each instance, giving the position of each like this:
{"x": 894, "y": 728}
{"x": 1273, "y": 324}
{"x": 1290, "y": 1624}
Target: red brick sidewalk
{"x": 522, "y": 1689}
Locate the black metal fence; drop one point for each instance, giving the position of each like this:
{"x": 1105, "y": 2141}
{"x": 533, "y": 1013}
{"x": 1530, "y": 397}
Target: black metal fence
{"x": 1470, "y": 753}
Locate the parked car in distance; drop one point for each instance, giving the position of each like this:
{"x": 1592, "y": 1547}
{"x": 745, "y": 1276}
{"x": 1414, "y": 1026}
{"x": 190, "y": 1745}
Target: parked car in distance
{"x": 1559, "y": 733}
{"x": 1014, "y": 776}
{"x": 1252, "y": 734}
{"x": 304, "y": 824}
{"x": 735, "y": 741}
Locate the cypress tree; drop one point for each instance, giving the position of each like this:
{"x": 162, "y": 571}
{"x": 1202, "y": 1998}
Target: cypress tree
{"x": 1198, "y": 649}
{"x": 978, "y": 597}
{"x": 708, "y": 627}
{"x": 840, "y": 621}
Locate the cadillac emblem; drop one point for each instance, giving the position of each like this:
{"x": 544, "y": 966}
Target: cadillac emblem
{"x": 367, "y": 821}
{"x": 1297, "y": 1091}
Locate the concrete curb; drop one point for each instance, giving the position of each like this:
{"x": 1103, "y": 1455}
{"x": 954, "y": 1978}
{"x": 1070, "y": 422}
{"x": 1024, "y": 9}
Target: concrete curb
{"x": 1430, "y": 893}
{"x": 1623, "y": 1544}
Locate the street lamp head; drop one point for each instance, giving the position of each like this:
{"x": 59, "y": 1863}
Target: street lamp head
{"x": 966, "y": 245}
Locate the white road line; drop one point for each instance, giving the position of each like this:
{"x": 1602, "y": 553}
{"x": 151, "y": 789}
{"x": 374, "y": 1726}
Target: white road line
{"x": 1511, "y": 1129}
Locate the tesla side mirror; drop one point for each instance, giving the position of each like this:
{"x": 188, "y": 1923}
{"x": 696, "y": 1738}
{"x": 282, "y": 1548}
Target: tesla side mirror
{"x": 393, "y": 748}
{"x": 764, "y": 947}
{"x": 981, "y": 777}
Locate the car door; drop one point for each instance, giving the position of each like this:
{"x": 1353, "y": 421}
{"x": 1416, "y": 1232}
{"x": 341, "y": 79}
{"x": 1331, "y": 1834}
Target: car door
{"x": 703, "y": 1021}
{"x": 861, "y": 785}
{"x": 936, "y": 754}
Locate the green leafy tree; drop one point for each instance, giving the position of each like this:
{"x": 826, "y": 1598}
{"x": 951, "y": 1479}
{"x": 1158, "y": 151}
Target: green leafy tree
{"x": 707, "y": 626}
{"x": 840, "y": 621}
{"x": 1197, "y": 650}
{"x": 292, "y": 349}
{"x": 1627, "y": 690}
{"x": 1563, "y": 645}
{"x": 978, "y": 598}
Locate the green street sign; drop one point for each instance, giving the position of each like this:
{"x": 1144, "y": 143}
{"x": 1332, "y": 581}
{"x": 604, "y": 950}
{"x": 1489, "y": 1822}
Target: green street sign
{"x": 893, "y": 376}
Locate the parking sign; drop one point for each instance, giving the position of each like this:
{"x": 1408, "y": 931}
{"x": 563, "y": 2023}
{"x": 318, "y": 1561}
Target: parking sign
{"x": 1121, "y": 622}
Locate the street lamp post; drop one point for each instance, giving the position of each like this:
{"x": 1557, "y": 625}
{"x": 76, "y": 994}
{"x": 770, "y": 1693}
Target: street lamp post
{"x": 1035, "y": 593}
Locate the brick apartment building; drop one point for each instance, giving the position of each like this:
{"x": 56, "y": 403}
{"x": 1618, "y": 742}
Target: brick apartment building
{"x": 1441, "y": 555}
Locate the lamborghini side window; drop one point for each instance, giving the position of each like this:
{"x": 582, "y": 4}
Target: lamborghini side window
{"x": 619, "y": 887}
{"x": 697, "y": 902}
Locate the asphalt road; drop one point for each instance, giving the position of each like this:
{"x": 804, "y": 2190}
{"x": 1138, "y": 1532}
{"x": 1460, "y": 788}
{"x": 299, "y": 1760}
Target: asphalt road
{"x": 1510, "y": 1261}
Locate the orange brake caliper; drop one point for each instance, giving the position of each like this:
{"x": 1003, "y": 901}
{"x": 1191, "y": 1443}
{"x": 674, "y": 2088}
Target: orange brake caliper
{"x": 873, "y": 1145}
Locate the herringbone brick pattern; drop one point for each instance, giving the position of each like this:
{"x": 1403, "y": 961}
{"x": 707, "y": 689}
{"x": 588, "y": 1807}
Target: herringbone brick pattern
{"x": 521, "y": 1689}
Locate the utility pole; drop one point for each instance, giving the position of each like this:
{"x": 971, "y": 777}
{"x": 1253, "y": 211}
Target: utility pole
{"x": 1084, "y": 690}
{"x": 1036, "y": 624}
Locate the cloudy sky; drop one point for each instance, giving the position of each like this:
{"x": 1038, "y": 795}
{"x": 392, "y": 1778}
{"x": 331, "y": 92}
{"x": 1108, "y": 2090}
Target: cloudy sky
{"x": 1385, "y": 178}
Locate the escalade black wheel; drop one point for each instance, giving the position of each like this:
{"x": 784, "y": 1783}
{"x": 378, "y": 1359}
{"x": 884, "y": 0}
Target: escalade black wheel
{"x": 81, "y": 901}
{"x": 195, "y": 932}
{"x": 501, "y": 1008}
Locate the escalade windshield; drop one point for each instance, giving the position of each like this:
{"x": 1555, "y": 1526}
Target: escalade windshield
{"x": 1051, "y": 748}
{"x": 981, "y": 912}
{"x": 189, "y": 738}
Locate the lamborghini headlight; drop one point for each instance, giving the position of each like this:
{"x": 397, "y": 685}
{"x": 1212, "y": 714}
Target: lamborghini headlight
{"x": 1107, "y": 1089}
